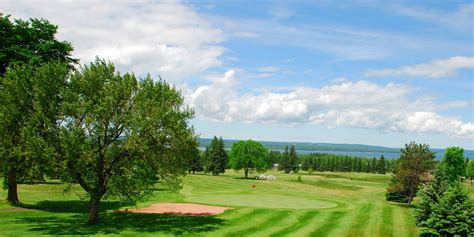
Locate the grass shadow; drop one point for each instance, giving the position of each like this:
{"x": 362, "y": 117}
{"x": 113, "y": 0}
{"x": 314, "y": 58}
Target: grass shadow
{"x": 116, "y": 223}
{"x": 375, "y": 179}
{"x": 70, "y": 206}
{"x": 249, "y": 178}
{"x": 330, "y": 185}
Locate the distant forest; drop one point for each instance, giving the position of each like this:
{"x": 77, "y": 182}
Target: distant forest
{"x": 204, "y": 142}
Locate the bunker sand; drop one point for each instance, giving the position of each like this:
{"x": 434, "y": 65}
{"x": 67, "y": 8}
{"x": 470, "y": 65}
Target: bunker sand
{"x": 189, "y": 209}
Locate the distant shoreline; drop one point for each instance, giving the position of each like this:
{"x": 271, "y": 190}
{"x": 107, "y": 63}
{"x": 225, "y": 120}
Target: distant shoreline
{"x": 358, "y": 150}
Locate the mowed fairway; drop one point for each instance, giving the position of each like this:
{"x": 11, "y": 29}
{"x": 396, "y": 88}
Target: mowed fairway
{"x": 324, "y": 204}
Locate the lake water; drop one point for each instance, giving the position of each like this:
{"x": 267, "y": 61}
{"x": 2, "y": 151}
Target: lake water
{"x": 390, "y": 155}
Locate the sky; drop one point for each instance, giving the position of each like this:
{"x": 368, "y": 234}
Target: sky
{"x": 360, "y": 72}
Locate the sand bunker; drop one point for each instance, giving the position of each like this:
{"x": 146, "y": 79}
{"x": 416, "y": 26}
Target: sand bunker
{"x": 179, "y": 209}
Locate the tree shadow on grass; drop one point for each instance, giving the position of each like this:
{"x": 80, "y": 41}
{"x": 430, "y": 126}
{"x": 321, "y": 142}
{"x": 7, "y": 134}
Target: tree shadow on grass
{"x": 115, "y": 223}
{"x": 71, "y": 218}
{"x": 69, "y": 206}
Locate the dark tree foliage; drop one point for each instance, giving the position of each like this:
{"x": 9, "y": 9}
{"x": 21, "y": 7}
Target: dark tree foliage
{"x": 31, "y": 42}
{"x": 30, "y": 115}
{"x": 195, "y": 161}
{"x": 341, "y": 163}
{"x": 415, "y": 163}
{"x": 216, "y": 159}
{"x": 381, "y": 166}
{"x": 274, "y": 157}
{"x": 294, "y": 164}
{"x": 286, "y": 161}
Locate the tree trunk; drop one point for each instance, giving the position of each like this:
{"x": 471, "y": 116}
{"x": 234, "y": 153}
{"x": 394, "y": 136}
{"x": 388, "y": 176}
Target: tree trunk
{"x": 12, "y": 187}
{"x": 94, "y": 210}
{"x": 246, "y": 173}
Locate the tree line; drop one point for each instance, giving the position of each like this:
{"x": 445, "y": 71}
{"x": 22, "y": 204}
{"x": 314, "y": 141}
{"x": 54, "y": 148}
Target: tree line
{"x": 250, "y": 155}
{"x": 344, "y": 163}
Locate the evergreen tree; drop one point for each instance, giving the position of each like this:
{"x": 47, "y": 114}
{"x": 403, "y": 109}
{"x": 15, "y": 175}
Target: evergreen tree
{"x": 216, "y": 159}
{"x": 381, "y": 165}
{"x": 195, "y": 162}
{"x": 359, "y": 165}
{"x": 274, "y": 157}
{"x": 452, "y": 214}
{"x": 294, "y": 164}
{"x": 373, "y": 165}
{"x": 306, "y": 163}
{"x": 286, "y": 161}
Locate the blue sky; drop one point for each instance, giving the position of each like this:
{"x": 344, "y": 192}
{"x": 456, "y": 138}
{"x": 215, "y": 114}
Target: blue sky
{"x": 367, "y": 72}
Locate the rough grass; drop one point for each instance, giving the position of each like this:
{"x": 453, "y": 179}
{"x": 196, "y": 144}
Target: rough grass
{"x": 279, "y": 208}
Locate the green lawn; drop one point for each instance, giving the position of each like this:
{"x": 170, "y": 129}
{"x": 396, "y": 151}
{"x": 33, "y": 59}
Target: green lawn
{"x": 324, "y": 204}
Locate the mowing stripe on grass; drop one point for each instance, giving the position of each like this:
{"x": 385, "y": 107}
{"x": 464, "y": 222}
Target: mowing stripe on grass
{"x": 302, "y": 221}
{"x": 317, "y": 222}
{"x": 409, "y": 222}
{"x": 234, "y": 213}
{"x": 386, "y": 227}
{"x": 360, "y": 222}
{"x": 244, "y": 220}
{"x": 277, "y": 217}
{"x": 329, "y": 225}
{"x": 400, "y": 221}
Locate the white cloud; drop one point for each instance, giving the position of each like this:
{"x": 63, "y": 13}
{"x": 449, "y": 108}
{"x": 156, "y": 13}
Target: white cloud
{"x": 162, "y": 38}
{"x": 433, "y": 69}
{"x": 360, "y": 104}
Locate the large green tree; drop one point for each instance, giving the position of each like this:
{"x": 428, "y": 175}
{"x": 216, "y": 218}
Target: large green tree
{"x": 248, "y": 155}
{"x": 416, "y": 161}
{"x": 30, "y": 114}
{"x": 121, "y": 134}
{"x": 453, "y": 163}
{"x": 31, "y": 42}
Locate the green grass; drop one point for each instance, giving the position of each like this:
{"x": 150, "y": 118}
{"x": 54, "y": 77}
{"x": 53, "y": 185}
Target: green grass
{"x": 323, "y": 204}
